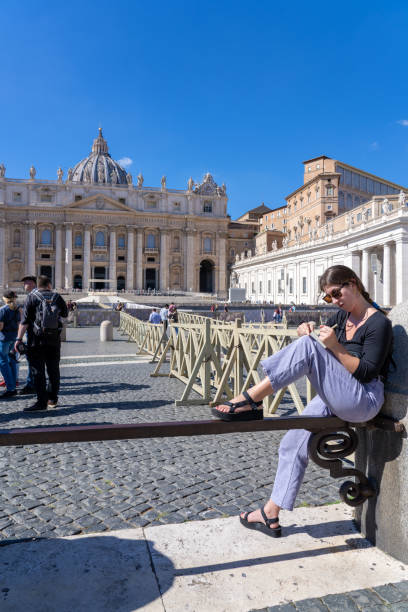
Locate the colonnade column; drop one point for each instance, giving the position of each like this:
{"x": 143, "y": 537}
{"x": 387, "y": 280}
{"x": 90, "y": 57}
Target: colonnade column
{"x": 68, "y": 255}
{"x": 401, "y": 267}
{"x": 190, "y": 260}
{"x": 139, "y": 259}
{"x": 112, "y": 260}
{"x": 387, "y": 274}
{"x": 2, "y": 253}
{"x": 58, "y": 257}
{"x": 130, "y": 256}
{"x": 86, "y": 275}
{"x": 164, "y": 261}
{"x": 222, "y": 272}
{"x": 31, "y": 267}
{"x": 365, "y": 269}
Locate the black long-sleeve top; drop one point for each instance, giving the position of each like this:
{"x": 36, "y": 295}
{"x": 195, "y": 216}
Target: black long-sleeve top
{"x": 371, "y": 343}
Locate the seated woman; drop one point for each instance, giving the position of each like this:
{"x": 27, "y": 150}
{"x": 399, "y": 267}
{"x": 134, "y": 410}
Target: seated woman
{"x": 347, "y": 373}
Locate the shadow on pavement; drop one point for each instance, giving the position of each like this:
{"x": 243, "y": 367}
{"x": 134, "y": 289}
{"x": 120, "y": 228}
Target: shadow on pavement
{"x": 94, "y": 573}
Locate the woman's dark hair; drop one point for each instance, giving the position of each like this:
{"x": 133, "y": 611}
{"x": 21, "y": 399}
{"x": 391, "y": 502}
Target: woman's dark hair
{"x": 337, "y": 275}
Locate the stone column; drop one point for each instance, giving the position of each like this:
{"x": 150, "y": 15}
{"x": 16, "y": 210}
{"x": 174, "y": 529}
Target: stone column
{"x": 2, "y": 254}
{"x": 190, "y": 259}
{"x": 68, "y": 255}
{"x": 112, "y": 260}
{"x": 383, "y": 455}
{"x": 365, "y": 269}
{"x": 387, "y": 275}
{"x": 401, "y": 268}
{"x": 58, "y": 257}
{"x": 130, "y": 256}
{"x": 222, "y": 270}
{"x": 86, "y": 275}
{"x": 31, "y": 267}
{"x": 164, "y": 261}
{"x": 139, "y": 259}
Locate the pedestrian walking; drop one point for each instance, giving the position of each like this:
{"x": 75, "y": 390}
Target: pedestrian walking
{"x": 9, "y": 321}
{"x": 42, "y": 313}
{"x": 347, "y": 370}
{"x": 155, "y": 317}
{"x": 164, "y": 315}
{"x": 29, "y": 284}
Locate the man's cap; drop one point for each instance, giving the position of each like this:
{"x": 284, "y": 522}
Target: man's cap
{"x": 29, "y": 277}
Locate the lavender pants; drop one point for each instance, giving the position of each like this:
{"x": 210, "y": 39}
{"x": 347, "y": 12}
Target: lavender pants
{"x": 338, "y": 393}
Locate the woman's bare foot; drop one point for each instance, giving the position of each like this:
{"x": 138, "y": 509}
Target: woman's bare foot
{"x": 236, "y": 399}
{"x": 271, "y": 510}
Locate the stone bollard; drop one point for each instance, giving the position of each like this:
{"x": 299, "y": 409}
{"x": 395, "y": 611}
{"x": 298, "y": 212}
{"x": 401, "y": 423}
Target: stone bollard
{"x": 63, "y": 335}
{"x": 383, "y": 456}
{"x": 106, "y": 331}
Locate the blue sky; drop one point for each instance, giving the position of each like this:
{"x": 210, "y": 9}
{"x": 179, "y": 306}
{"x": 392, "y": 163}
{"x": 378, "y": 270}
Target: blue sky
{"x": 246, "y": 91}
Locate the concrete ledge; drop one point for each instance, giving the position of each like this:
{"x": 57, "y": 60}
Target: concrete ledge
{"x": 205, "y": 566}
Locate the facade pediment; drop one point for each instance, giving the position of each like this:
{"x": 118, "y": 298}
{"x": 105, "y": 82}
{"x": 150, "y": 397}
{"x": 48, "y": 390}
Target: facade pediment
{"x": 98, "y": 202}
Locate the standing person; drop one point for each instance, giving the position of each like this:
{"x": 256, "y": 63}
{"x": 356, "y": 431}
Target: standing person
{"x": 173, "y": 315}
{"x": 154, "y": 318}
{"x": 42, "y": 314}
{"x": 225, "y": 308}
{"x": 164, "y": 315}
{"x": 29, "y": 283}
{"x": 348, "y": 374}
{"x": 9, "y": 320}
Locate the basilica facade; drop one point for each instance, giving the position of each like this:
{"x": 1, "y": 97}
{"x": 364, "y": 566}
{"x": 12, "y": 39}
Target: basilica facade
{"x": 98, "y": 229}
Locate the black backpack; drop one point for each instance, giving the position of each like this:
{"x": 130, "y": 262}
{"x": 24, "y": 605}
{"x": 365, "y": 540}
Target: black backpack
{"x": 47, "y": 319}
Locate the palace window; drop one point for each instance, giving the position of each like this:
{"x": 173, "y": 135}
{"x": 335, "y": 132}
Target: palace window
{"x": 269, "y": 287}
{"x": 176, "y": 243}
{"x": 207, "y": 207}
{"x": 77, "y": 256}
{"x": 78, "y": 198}
{"x": 121, "y": 241}
{"x": 329, "y": 190}
{"x": 151, "y": 204}
{"x": 16, "y": 196}
{"x": 100, "y": 239}
{"x": 309, "y": 169}
{"x": 232, "y": 252}
{"x": 45, "y": 196}
{"x": 122, "y": 200}
{"x": 151, "y": 241}
{"x": 304, "y": 284}
{"x": 176, "y": 205}
{"x": 78, "y": 240}
{"x": 252, "y": 287}
{"x": 260, "y": 286}
{"x": 207, "y": 245}
{"x": 291, "y": 285}
{"x": 121, "y": 258}
{"x": 317, "y": 166}
{"x": 46, "y": 237}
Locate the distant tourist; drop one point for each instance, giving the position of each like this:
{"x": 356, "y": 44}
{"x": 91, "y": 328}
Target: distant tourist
{"x": 29, "y": 284}
{"x": 9, "y": 320}
{"x": 225, "y": 308}
{"x": 164, "y": 315}
{"x": 155, "y": 317}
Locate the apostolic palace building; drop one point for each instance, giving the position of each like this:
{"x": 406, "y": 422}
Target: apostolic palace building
{"x": 338, "y": 215}
{"x": 98, "y": 229}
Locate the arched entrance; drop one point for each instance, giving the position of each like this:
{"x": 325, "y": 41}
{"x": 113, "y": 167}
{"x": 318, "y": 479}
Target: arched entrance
{"x": 207, "y": 276}
{"x": 99, "y": 273}
{"x": 77, "y": 281}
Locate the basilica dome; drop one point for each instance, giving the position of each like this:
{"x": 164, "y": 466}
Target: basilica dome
{"x": 98, "y": 167}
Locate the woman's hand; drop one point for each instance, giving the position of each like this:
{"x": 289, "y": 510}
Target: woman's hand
{"x": 328, "y": 337}
{"x": 305, "y": 329}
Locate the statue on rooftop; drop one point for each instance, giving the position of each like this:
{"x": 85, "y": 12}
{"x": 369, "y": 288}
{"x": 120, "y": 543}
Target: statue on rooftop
{"x": 60, "y": 174}
{"x": 140, "y": 180}
{"x": 2, "y": 170}
{"x": 129, "y": 178}
{"x": 33, "y": 172}
{"x": 190, "y": 184}
{"x": 402, "y": 198}
{"x": 163, "y": 183}
{"x": 69, "y": 174}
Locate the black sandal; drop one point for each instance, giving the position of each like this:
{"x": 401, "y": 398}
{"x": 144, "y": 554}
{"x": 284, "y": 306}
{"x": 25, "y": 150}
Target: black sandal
{"x": 247, "y": 415}
{"x": 274, "y": 532}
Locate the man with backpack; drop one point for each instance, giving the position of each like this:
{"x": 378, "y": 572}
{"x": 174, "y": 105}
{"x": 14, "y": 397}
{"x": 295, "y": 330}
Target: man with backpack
{"x": 43, "y": 310}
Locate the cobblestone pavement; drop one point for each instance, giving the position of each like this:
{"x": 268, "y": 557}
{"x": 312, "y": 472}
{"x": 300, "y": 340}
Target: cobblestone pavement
{"x": 384, "y": 598}
{"x": 66, "y": 489}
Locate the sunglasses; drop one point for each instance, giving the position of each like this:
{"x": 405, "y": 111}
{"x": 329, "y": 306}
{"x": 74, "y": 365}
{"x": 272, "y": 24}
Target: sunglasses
{"x": 336, "y": 294}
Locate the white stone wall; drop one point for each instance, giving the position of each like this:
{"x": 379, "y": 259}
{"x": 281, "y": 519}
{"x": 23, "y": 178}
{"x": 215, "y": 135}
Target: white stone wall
{"x": 376, "y": 251}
